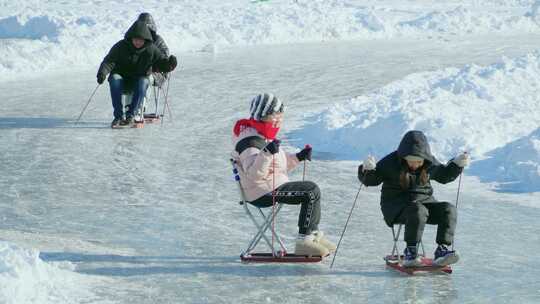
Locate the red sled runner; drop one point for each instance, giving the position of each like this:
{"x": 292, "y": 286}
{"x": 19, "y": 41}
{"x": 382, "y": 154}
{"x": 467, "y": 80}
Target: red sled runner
{"x": 263, "y": 225}
{"x": 148, "y": 118}
{"x": 137, "y": 125}
{"x": 151, "y": 118}
{"x": 282, "y": 258}
{"x": 394, "y": 260}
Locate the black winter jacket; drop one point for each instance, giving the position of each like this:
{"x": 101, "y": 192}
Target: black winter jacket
{"x": 160, "y": 43}
{"x": 393, "y": 198}
{"x": 130, "y": 62}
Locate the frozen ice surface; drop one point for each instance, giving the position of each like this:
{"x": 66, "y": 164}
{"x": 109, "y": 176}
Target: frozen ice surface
{"x": 151, "y": 214}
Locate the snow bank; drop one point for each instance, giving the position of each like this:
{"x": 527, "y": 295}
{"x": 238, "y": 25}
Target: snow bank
{"x": 516, "y": 166}
{"x": 476, "y": 109}
{"x": 51, "y": 36}
{"x": 34, "y": 28}
{"x": 534, "y": 13}
{"x": 24, "y": 278}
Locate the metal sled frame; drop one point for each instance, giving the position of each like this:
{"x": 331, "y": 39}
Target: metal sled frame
{"x": 152, "y": 117}
{"x": 395, "y": 237}
{"x": 277, "y": 255}
{"x": 394, "y": 260}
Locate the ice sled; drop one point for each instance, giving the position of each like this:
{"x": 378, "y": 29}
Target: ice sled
{"x": 263, "y": 221}
{"x": 285, "y": 258}
{"x": 158, "y": 93}
{"x": 394, "y": 260}
{"x": 143, "y": 115}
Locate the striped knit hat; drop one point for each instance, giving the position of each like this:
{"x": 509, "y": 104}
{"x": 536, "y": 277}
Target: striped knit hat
{"x": 265, "y": 104}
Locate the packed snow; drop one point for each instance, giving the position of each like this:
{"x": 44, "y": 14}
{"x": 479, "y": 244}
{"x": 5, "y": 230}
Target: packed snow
{"x": 40, "y": 37}
{"x": 91, "y": 215}
{"x": 25, "y": 278}
{"x": 515, "y": 166}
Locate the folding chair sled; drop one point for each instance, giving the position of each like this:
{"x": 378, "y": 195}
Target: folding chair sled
{"x": 157, "y": 80}
{"x": 395, "y": 259}
{"x": 263, "y": 221}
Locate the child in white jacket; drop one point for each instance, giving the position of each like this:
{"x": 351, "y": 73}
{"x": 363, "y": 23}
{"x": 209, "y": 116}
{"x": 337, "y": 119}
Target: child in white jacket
{"x": 263, "y": 170}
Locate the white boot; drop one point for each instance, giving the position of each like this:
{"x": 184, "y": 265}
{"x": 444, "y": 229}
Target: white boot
{"x": 306, "y": 245}
{"x": 319, "y": 238}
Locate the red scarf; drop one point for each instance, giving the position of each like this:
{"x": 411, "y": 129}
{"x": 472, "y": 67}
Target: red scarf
{"x": 266, "y": 129}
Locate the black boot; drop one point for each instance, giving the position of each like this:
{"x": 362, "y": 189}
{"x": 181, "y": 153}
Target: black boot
{"x": 116, "y": 122}
{"x": 129, "y": 121}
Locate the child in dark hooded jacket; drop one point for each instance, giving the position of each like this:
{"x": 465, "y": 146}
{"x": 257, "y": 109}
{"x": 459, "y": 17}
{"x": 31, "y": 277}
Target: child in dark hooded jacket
{"x": 407, "y": 195}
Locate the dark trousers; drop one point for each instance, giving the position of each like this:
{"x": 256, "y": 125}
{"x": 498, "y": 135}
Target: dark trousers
{"x": 307, "y": 194}
{"x": 416, "y": 215}
{"x": 118, "y": 85}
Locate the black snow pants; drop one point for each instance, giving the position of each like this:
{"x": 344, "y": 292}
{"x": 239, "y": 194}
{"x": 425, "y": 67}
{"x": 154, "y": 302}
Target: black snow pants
{"x": 416, "y": 215}
{"x": 307, "y": 194}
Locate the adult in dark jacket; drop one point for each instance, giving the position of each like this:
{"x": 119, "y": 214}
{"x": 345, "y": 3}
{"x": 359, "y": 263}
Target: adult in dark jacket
{"x": 407, "y": 195}
{"x": 159, "y": 42}
{"x": 129, "y": 62}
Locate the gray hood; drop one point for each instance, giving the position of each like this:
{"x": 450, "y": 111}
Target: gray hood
{"x": 149, "y": 21}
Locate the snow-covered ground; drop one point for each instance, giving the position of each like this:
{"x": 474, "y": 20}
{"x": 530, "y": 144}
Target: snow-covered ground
{"x": 40, "y": 37}
{"x": 91, "y": 215}
{"x": 25, "y": 278}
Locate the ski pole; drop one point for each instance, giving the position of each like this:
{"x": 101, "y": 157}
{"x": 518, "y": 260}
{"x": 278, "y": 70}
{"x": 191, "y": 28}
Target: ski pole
{"x": 345, "y": 227}
{"x": 87, "y": 103}
{"x": 304, "y": 173}
{"x": 273, "y": 203}
{"x": 156, "y": 98}
{"x": 459, "y": 187}
{"x": 166, "y": 103}
{"x": 457, "y": 198}
{"x": 458, "y": 190}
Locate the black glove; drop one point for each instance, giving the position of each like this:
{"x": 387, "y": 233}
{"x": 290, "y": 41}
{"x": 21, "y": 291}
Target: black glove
{"x": 304, "y": 154}
{"x": 273, "y": 146}
{"x": 100, "y": 78}
{"x": 172, "y": 62}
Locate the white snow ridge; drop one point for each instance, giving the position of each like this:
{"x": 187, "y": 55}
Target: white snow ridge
{"x": 25, "y": 278}
{"x": 475, "y": 109}
{"x": 34, "y": 28}
{"x": 516, "y": 166}
{"x": 80, "y": 33}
